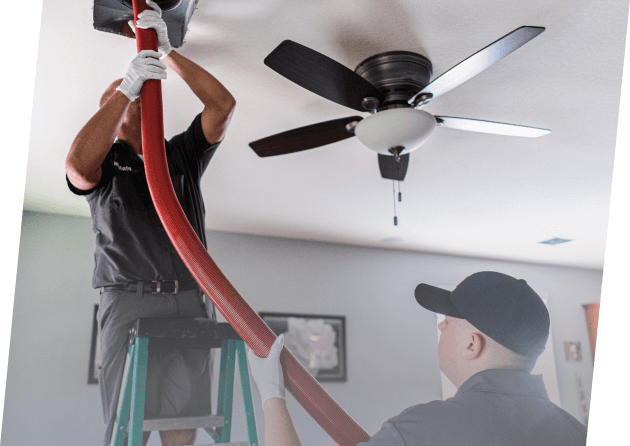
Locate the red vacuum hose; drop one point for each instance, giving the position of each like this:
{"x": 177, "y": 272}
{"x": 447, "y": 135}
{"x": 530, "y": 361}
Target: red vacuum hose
{"x": 250, "y": 327}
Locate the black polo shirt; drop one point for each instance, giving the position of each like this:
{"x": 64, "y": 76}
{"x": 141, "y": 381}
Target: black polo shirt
{"x": 495, "y": 407}
{"x": 131, "y": 243}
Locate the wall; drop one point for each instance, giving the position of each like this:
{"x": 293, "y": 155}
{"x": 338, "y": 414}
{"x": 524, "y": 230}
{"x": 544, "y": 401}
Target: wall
{"x": 391, "y": 341}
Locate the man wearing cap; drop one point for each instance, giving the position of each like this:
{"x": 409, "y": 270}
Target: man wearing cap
{"x": 495, "y": 328}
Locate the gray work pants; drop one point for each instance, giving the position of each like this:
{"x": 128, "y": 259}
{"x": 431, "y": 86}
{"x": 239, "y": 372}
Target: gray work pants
{"x": 178, "y": 382}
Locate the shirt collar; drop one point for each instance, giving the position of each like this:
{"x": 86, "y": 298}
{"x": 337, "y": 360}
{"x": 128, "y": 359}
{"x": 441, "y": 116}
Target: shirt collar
{"x": 130, "y": 152}
{"x": 511, "y": 382}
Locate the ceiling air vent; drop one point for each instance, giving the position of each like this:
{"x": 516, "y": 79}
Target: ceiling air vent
{"x": 112, "y": 16}
{"x": 165, "y": 5}
{"x": 555, "y": 241}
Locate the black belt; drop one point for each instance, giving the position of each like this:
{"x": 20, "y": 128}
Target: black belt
{"x": 157, "y": 286}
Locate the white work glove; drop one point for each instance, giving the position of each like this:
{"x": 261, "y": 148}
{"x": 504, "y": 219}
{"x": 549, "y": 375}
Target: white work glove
{"x": 153, "y": 20}
{"x": 267, "y": 372}
{"x": 146, "y": 65}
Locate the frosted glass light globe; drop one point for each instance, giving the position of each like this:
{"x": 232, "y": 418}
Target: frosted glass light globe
{"x": 406, "y": 127}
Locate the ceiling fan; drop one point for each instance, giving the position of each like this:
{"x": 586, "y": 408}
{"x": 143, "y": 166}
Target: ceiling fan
{"x": 393, "y": 86}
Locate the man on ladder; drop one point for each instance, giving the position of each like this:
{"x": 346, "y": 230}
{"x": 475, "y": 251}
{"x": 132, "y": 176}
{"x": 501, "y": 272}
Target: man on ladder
{"x": 137, "y": 268}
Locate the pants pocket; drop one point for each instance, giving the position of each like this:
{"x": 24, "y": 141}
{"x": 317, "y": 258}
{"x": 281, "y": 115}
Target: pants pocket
{"x": 107, "y": 305}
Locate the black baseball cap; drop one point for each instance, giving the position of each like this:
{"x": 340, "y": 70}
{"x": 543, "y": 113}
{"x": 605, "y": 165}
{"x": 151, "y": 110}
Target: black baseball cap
{"x": 502, "y": 307}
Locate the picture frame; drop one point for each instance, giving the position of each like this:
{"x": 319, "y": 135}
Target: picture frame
{"x": 317, "y": 341}
{"x": 94, "y": 350}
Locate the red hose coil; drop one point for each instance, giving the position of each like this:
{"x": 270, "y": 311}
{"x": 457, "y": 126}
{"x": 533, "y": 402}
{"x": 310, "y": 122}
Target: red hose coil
{"x": 250, "y": 327}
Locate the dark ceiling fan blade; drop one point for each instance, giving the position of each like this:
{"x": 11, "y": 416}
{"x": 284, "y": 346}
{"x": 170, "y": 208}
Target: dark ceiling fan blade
{"x": 321, "y": 75}
{"x": 304, "y": 138}
{"x": 481, "y": 60}
{"x": 497, "y": 128}
{"x": 392, "y": 169}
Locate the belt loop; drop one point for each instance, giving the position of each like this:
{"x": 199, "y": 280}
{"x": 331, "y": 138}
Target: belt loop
{"x": 139, "y": 289}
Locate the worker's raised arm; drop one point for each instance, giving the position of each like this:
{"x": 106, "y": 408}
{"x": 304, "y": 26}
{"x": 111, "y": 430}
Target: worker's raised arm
{"x": 217, "y": 100}
{"x": 94, "y": 140}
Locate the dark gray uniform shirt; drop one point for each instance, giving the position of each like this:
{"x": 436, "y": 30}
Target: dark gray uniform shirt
{"x": 495, "y": 407}
{"x": 131, "y": 243}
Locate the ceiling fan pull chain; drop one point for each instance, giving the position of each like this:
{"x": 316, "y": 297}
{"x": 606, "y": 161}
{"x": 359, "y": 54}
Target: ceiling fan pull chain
{"x": 394, "y": 192}
{"x": 399, "y": 194}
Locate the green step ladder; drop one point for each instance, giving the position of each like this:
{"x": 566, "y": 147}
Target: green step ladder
{"x": 184, "y": 334}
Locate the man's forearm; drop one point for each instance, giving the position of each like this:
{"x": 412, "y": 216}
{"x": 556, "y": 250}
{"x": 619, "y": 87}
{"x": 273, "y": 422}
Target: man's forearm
{"x": 207, "y": 88}
{"x": 91, "y": 145}
{"x": 279, "y": 428}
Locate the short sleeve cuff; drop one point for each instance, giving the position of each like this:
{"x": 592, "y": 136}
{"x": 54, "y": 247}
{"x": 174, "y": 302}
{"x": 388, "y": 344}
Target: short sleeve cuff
{"x": 78, "y": 191}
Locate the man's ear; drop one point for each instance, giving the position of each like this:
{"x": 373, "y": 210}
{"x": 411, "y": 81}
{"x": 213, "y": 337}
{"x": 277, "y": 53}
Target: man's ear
{"x": 476, "y": 345}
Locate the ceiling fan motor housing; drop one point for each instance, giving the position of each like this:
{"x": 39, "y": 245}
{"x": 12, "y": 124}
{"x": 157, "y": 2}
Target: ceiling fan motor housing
{"x": 397, "y": 74}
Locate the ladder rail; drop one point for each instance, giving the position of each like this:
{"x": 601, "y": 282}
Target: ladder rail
{"x": 125, "y": 407}
{"x": 138, "y": 391}
{"x": 250, "y": 416}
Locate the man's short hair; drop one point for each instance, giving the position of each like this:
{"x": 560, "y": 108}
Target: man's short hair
{"x": 501, "y": 356}
{"x": 512, "y": 359}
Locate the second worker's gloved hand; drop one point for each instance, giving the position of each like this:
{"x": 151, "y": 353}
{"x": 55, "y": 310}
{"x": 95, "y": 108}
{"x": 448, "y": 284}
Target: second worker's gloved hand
{"x": 146, "y": 65}
{"x": 267, "y": 372}
{"x": 153, "y": 20}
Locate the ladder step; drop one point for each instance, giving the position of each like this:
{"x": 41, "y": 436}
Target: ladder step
{"x": 242, "y": 443}
{"x": 165, "y": 424}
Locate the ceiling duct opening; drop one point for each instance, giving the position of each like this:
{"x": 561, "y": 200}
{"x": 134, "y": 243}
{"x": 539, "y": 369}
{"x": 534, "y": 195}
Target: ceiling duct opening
{"x": 165, "y": 5}
{"x": 112, "y": 16}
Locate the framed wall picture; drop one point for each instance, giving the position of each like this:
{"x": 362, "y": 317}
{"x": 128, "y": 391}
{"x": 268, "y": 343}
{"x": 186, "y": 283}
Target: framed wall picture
{"x": 317, "y": 341}
{"x": 94, "y": 351}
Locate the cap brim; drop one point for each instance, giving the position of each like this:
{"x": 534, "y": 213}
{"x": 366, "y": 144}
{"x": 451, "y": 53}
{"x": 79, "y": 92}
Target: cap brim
{"x": 437, "y": 300}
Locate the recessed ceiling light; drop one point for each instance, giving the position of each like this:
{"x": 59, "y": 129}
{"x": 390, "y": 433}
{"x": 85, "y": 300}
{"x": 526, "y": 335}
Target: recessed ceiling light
{"x": 555, "y": 241}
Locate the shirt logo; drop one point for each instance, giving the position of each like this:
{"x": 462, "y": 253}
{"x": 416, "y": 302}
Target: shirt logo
{"x": 123, "y": 168}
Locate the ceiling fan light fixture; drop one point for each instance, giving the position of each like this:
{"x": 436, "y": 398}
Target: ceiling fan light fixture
{"x": 406, "y": 127}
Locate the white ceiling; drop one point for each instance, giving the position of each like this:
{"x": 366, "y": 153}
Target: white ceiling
{"x": 465, "y": 193}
